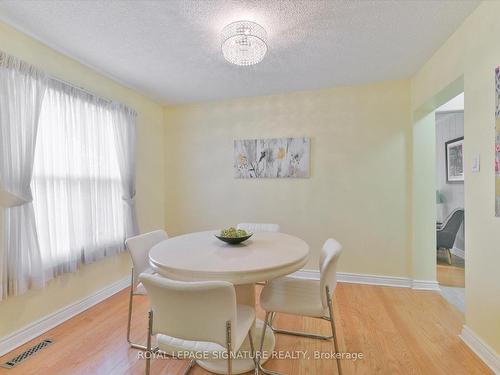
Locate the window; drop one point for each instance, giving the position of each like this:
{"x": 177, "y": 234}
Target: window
{"x": 77, "y": 188}
{"x": 67, "y": 176}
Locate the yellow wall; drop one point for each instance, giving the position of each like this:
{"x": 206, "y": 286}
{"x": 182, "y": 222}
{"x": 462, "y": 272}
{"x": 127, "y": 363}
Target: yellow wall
{"x": 358, "y": 189}
{"x": 17, "y": 312}
{"x": 473, "y": 52}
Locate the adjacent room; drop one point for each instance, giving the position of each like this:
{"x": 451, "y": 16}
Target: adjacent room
{"x": 249, "y": 187}
{"x": 450, "y": 225}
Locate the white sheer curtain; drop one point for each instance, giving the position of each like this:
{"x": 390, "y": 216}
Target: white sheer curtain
{"x": 22, "y": 90}
{"x": 78, "y": 190}
{"x": 124, "y": 131}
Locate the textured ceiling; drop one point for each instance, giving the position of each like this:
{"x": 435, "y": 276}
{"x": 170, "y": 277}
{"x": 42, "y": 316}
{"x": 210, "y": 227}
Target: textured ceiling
{"x": 170, "y": 50}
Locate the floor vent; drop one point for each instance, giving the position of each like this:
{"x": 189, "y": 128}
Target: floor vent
{"x": 27, "y": 354}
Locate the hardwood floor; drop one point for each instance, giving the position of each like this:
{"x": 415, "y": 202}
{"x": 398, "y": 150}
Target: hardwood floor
{"x": 399, "y": 331}
{"x": 450, "y": 274}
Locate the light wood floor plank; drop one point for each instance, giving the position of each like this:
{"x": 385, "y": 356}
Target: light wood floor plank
{"x": 450, "y": 275}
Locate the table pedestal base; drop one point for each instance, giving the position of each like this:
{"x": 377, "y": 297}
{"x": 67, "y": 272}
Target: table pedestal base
{"x": 240, "y": 366}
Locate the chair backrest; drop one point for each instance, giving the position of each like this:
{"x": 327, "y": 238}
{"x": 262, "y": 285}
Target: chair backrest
{"x": 330, "y": 254}
{"x": 138, "y": 248}
{"x": 258, "y": 227}
{"x": 453, "y": 221}
{"x": 196, "y": 311}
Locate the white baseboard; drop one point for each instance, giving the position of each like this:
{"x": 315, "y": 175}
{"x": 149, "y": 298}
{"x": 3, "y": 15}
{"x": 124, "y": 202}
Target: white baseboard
{"x": 307, "y": 274}
{"x": 356, "y": 278}
{"x": 425, "y": 285}
{"x": 482, "y": 350}
{"x": 37, "y": 328}
{"x": 353, "y": 278}
{"x": 458, "y": 252}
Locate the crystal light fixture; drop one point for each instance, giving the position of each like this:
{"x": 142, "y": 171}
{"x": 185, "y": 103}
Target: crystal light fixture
{"x": 244, "y": 43}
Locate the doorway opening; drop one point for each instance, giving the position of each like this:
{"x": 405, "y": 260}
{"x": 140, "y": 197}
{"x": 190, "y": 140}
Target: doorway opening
{"x": 450, "y": 214}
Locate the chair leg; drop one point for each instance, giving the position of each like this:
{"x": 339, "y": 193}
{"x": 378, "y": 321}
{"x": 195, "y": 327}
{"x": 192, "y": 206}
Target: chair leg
{"x": 295, "y": 333}
{"x": 229, "y": 348}
{"x": 267, "y": 320}
{"x": 252, "y": 352}
{"x": 334, "y": 331}
{"x": 189, "y": 367}
{"x": 449, "y": 256}
{"x": 149, "y": 352}
{"x": 273, "y": 316}
{"x": 130, "y": 304}
{"x": 300, "y": 334}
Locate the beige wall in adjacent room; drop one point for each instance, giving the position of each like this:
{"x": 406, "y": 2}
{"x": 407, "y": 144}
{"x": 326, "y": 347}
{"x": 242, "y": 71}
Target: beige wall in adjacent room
{"x": 17, "y": 312}
{"x": 359, "y": 185}
{"x": 424, "y": 199}
{"x": 473, "y": 52}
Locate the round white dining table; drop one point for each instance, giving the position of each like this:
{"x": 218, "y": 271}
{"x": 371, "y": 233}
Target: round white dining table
{"x": 201, "y": 256}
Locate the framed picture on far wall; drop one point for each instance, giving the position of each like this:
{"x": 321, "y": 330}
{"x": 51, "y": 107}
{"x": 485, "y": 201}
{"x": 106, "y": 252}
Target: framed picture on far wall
{"x": 455, "y": 160}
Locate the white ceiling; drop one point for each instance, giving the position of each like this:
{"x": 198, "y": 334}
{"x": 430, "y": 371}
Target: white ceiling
{"x": 170, "y": 50}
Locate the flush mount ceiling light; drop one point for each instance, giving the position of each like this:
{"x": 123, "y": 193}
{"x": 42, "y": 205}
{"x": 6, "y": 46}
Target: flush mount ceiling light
{"x": 244, "y": 43}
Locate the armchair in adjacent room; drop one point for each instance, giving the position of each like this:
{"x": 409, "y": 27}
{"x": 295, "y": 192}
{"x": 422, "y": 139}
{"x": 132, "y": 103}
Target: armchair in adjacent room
{"x": 447, "y": 231}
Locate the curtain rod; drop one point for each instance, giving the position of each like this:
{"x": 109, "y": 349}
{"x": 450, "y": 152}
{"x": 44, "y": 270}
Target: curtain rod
{"x": 5, "y": 58}
{"x": 4, "y": 55}
{"x": 107, "y": 100}
{"x": 79, "y": 88}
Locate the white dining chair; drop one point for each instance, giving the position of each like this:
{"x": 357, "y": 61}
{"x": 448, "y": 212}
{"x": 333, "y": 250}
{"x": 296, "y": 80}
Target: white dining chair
{"x": 258, "y": 227}
{"x": 196, "y": 317}
{"x": 297, "y": 296}
{"x": 138, "y": 247}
